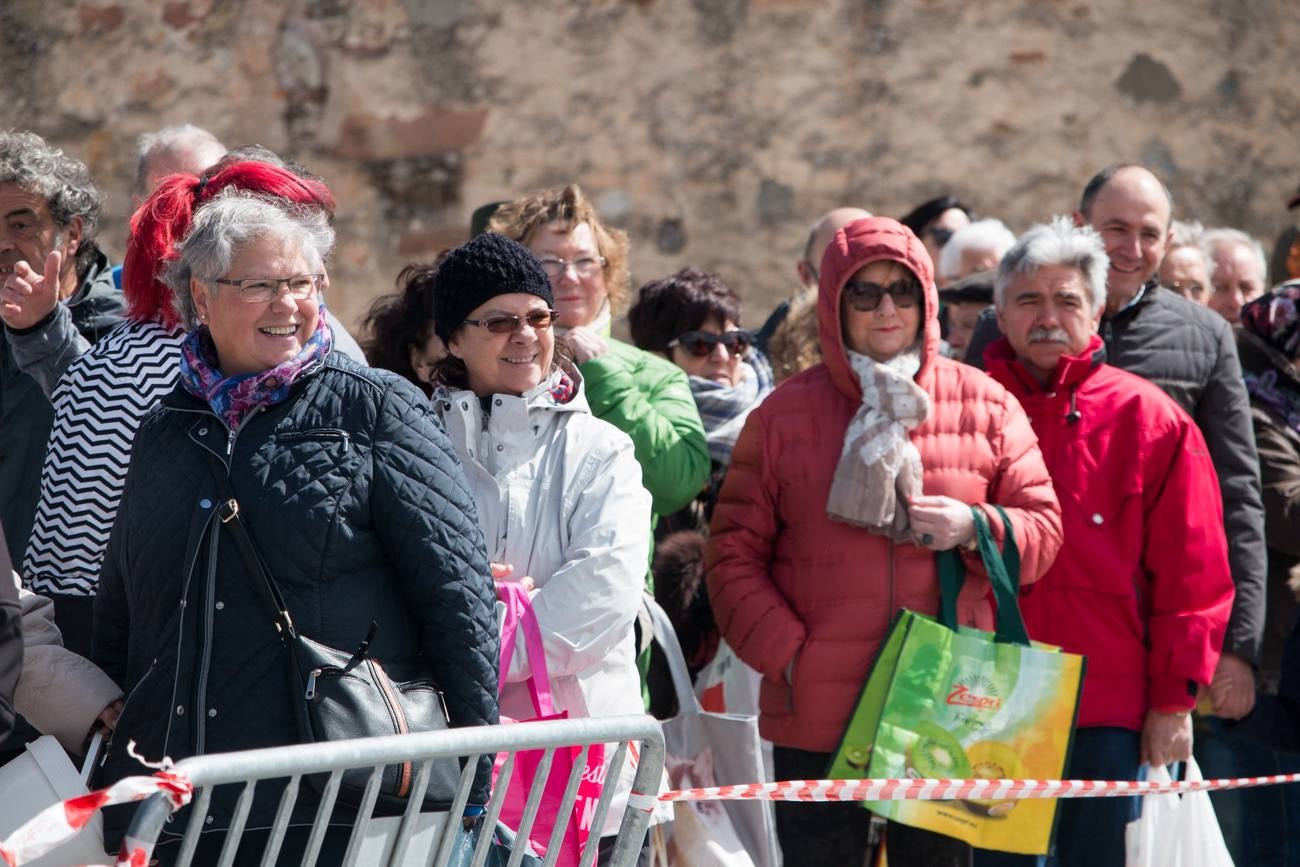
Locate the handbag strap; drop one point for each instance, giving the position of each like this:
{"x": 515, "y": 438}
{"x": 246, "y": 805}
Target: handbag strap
{"x": 666, "y": 637}
{"x": 522, "y": 617}
{"x": 1003, "y": 569}
{"x": 268, "y": 590}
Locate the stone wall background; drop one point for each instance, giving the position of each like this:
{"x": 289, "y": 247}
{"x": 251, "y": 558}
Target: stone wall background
{"x": 714, "y": 131}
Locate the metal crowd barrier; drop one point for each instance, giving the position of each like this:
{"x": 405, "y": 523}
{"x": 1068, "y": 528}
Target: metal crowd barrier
{"x": 414, "y": 838}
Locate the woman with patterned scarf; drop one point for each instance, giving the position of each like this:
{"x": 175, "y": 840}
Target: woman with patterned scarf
{"x": 844, "y": 483}
{"x": 558, "y": 491}
{"x": 351, "y": 492}
{"x": 692, "y": 318}
{"x": 1269, "y": 345}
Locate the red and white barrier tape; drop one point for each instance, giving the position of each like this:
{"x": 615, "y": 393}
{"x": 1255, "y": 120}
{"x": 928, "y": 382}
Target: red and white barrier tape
{"x": 58, "y": 823}
{"x": 946, "y": 790}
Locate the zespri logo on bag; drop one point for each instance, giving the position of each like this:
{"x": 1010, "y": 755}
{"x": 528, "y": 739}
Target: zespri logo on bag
{"x": 966, "y": 695}
{"x": 971, "y": 701}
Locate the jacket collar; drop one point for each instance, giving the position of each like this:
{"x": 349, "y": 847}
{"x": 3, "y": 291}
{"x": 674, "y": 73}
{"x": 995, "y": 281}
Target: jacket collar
{"x": 1071, "y": 370}
{"x": 97, "y": 280}
{"x": 540, "y": 397}
{"x": 1144, "y": 296}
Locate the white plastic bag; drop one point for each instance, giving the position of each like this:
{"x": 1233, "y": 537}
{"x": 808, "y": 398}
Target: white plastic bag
{"x": 1176, "y": 830}
{"x": 43, "y": 775}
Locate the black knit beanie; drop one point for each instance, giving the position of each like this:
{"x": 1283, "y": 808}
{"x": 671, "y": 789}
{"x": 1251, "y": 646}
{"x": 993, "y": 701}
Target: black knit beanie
{"x": 480, "y": 270}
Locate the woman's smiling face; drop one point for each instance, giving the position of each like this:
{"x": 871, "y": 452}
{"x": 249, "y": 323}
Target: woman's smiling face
{"x": 509, "y": 363}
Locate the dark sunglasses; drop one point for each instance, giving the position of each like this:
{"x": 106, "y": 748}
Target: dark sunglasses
{"x": 866, "y": 297}
{"x": 940, "y": 235}
{"x": 539, "y": 320}
{"x": 701, "y": 343}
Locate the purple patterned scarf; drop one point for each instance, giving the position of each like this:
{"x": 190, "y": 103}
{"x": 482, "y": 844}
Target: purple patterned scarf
{"x": 234, "y": 397}
{"x": 1274, "y": 320}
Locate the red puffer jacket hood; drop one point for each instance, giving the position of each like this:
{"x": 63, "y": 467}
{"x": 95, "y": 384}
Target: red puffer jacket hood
{"x": 856, "y": 245}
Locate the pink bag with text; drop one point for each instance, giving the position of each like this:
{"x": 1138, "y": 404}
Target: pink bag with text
{"x": 521, "y": 617}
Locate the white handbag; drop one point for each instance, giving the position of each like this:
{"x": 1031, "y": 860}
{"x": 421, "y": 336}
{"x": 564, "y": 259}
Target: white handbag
{"x": 1176, "y": 830}
{"x": 42, "y": 776}
{"x": 712, "y": 749}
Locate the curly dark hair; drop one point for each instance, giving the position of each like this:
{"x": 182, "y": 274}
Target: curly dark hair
{"x": 667, "y": 308}
{"x": 31, "y": 163}
{"x": 403, "y": 321}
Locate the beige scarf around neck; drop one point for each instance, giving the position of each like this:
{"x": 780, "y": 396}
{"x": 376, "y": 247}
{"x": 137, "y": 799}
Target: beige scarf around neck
{"x": 879, "y": 467}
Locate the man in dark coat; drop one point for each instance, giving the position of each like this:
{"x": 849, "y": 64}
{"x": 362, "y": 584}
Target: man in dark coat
{"x": 49, "y": 214}
{"x": 1188, "y": 351}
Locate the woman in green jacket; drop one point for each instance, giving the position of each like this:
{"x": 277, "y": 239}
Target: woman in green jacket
{"x": 645, "y": 396}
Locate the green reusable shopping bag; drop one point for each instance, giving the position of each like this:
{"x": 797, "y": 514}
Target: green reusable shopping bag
{"x": 951, "y": 702}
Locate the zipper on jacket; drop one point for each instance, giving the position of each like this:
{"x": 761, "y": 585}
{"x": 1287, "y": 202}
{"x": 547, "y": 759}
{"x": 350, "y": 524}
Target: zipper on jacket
{"x": 180, "y": 633}
{"x": 399, "y": 719}
{"x": 324, "y": 434}
{"x": 108, "y": 744}
{"x": 209, "y": 600}
{"x": 891, "y": 582}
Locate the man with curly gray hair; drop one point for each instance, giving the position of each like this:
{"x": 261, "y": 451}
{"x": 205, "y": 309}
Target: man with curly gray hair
{"x": 55, "y": 279}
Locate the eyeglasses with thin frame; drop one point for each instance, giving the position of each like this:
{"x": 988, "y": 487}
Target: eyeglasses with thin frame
{"x": 538, "y": 320}
{"x": 701, "y": 343}
{"x": 866, "y": 297}
{"x": 259, "y": 290}
{"x": 587, "y": 266}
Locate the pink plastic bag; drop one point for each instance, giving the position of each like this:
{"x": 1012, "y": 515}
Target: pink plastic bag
{"x": 520, "y": 616}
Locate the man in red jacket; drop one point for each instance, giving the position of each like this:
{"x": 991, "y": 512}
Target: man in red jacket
{"x": 1141, "y": 585}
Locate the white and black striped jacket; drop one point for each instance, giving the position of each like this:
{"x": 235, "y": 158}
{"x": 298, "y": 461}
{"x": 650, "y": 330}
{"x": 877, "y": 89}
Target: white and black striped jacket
{"x": 98, "y": 404}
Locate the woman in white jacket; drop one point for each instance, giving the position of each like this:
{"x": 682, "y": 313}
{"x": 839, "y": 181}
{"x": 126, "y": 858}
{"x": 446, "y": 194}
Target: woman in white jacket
{"x": 558, "y": 491}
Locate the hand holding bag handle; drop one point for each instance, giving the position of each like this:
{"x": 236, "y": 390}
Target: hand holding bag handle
{"x": 1004, "y": 576}
{"x": 520, "y": 616}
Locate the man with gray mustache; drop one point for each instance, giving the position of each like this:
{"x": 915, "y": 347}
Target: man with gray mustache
{"x": 1141, "y": 585}
{"x": 1189, "y": 352}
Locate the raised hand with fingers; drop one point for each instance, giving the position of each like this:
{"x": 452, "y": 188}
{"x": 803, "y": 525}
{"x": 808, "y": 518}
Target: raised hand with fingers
{"x": 27, "y": 297}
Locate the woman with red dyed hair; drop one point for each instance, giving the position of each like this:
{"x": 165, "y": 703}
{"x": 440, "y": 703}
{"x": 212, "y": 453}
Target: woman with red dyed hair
{"x": 102, "y": 392}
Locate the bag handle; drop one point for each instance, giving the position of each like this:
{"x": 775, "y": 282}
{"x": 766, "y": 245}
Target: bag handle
{"x": 1004, "y": 576}
{"x": 521, "y": 616}
{"x": 666, "y": 637}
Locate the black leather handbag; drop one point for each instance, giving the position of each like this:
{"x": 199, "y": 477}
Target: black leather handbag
{"x": 340, "y": 694}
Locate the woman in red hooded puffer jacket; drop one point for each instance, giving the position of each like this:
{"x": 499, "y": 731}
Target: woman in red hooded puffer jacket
{"x": 843, "y": 485}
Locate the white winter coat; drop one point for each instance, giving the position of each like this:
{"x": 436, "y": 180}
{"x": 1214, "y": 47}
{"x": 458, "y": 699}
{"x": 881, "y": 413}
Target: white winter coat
{"x": 560, "y": 499}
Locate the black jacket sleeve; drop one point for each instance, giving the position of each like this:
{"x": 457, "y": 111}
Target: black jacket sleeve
{"x": 11, "y": 641}
{"x": 112, "y": 620}
{"x": 986, "y": 333}
{"x": 1223, "y": 415}
{"x": 425, "y": 514}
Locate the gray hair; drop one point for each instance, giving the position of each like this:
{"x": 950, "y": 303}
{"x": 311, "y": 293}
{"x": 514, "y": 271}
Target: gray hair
{"x": 1214, "y": 238}
{"x": 169, "y": 140}
{"x": 1058, "y": 242}
{"x": 987, "y": 234}
{"x": 34, "y": 165}
{"x": 1185, "y": 233}
{"x": 229, "y": 222}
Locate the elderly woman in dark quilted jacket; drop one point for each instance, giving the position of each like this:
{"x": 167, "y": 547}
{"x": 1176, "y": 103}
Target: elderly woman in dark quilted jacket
{"x": 347, "y": 484}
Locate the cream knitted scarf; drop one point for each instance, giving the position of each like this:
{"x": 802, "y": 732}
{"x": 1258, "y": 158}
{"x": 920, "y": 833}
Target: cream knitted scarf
{"x": 879, "y": 467}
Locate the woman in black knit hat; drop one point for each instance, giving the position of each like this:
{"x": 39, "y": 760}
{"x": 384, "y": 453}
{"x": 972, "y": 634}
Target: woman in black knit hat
{"x": 558, "y": 491}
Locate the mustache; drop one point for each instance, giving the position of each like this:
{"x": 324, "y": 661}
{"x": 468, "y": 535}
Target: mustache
{"x": 1038, "y": 334}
